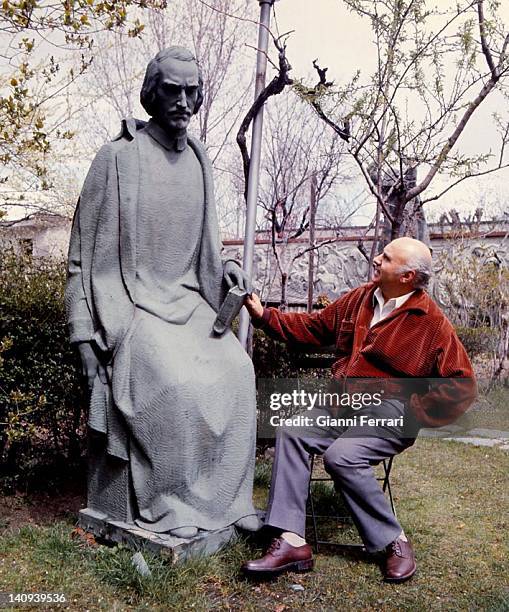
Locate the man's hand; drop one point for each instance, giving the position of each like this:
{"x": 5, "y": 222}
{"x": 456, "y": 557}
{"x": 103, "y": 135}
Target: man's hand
{"x": 90, "y": 364}
{"x": 235, "y": 275}
{"x": 254, "y": 306}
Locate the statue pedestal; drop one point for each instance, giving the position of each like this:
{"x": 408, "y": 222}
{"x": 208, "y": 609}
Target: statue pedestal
{"x": 175, "y": 549}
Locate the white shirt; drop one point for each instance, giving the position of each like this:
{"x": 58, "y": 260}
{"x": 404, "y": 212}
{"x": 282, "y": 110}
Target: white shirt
{"x": 384, "y": 308}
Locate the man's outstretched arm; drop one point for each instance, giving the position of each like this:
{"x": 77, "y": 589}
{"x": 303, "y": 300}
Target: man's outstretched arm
{"x": 295, "y": 327}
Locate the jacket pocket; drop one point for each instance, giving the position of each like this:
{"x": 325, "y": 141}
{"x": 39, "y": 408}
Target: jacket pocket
{"x": 344, "y": 341}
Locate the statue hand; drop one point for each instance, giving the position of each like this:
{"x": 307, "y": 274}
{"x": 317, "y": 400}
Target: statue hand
{"x": 90, "y": 363}
{"x": 235, "y": 275}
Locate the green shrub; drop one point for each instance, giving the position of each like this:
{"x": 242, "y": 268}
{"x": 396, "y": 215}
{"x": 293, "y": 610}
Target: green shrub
{"x": 473, "y": 285}
{"x": 271, "y": 359}
{"x": 41, "y": 401}
{"x": 478, "y": 340}
{"x": 274, "y": 359}
{"x": 263, "y": 471}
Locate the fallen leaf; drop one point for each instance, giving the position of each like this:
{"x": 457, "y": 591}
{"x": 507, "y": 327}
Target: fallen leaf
{"x": 84, "y": 537}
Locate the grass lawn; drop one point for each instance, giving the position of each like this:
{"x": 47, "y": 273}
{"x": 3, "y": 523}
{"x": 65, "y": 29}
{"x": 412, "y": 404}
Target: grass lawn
{"x": 450, "y": 497}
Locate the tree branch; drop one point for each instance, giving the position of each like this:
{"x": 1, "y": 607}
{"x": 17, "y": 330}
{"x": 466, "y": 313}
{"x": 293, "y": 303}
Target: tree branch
{"x": 484, "y": 44}
{"x": 461, "y": 179}
{"x": 453, "y": 138}
{"x": 275, "y": 87}
{"x": 314, "y": 247}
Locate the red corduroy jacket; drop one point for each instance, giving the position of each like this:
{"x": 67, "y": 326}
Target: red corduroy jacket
{"x": 415, "y": 341}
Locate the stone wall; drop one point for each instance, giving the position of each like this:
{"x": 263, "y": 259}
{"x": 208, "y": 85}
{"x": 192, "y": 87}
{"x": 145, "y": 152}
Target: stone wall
{"x": 340, "y": 265}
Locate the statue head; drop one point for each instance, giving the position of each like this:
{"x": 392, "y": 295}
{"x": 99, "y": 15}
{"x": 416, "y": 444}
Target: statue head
{"x": 172, "y": 90}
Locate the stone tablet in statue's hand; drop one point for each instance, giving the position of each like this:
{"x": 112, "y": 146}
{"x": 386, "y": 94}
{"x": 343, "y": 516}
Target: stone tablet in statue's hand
{"x": 235, "y": 275}
{"x": 90, "y": 363}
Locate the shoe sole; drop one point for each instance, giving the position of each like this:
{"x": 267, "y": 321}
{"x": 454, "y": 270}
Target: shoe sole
{"x": 296, "y": 566}
{"x": 401, "y": 578}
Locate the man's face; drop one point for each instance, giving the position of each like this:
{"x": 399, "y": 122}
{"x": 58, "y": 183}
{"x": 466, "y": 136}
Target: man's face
{"x": 176, "y": 94}
{"x": 386, "y": 270}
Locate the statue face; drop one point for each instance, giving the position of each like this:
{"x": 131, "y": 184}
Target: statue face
{"x": 176, "y": 94}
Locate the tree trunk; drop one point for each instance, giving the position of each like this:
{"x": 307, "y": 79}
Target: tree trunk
{"x": 284, "y": 304}
{"x": 398, "y": 210}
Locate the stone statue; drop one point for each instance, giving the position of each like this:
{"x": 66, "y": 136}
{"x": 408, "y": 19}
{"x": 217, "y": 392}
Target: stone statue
{"x": 172, "y": 411}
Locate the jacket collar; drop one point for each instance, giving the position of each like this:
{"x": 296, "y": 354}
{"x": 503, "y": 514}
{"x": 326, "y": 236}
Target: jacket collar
{"x": 418, "y": 301}
{"x": 171, "y": 143}
{"x": 392, "y": 303}
{"x": 130, "y": 126}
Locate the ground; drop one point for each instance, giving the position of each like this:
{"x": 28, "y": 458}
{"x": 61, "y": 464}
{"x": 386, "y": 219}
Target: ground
{"x": 450, "y": 497}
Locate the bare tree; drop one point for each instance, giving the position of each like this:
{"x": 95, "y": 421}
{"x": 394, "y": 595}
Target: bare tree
{"x": 440, "y": 62}
{"x": 297, "y": 150}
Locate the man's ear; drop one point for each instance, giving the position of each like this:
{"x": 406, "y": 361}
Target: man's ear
{"x": 408, "y": 277}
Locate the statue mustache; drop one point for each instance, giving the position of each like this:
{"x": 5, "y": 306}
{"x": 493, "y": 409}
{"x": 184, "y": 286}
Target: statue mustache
{"x": 177, "y": 112}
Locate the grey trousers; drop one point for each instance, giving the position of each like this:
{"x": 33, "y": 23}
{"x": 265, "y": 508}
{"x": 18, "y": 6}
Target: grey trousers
{"x": 348, "y": 459}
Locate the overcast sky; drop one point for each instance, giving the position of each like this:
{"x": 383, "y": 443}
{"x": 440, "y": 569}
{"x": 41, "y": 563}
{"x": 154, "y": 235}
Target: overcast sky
{"x": 325, "y": 29}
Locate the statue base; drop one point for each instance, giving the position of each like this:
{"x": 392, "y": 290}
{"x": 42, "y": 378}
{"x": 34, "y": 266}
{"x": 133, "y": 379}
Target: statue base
{"x": 175, "y": 549}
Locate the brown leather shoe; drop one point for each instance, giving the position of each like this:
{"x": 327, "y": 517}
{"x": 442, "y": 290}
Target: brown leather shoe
{"x": 400, "y": 561}
{"x": 281, "y": 557}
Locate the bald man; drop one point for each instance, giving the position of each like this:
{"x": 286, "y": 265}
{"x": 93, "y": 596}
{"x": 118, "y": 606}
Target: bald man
{"x": 384, "y": 330}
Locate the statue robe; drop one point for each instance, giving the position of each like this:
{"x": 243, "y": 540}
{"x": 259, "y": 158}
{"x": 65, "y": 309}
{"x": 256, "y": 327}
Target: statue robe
{"x": 180, "y": 404}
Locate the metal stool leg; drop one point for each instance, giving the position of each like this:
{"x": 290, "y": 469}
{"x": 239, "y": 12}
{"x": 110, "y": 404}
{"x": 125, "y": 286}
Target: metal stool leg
{"x": 387, "y": 465}
{"x": 312, "y": 505}
{"x": 386, "y": 487}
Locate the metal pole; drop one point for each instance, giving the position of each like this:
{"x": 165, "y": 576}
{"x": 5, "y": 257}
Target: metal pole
{"x": 312, "y": 222}
{"x": 254, "y": 167}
